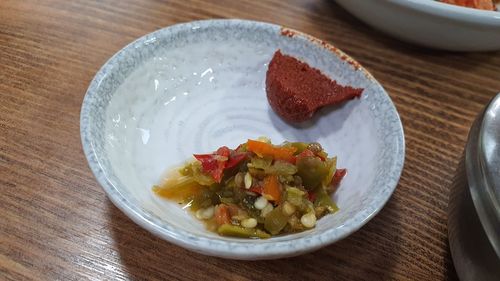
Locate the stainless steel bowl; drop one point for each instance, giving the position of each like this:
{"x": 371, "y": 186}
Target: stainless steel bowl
{"x": 474, "y": 207}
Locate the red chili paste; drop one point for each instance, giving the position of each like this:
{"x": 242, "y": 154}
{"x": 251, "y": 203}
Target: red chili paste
{"x": 295, "y": 90}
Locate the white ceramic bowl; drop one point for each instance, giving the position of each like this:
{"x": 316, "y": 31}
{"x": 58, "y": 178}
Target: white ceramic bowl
{"x": 431, "y": 23}
{"x": 193, "y": 87}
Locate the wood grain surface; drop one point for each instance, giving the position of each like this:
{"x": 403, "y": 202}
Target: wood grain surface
{"x": 56, "y": 223}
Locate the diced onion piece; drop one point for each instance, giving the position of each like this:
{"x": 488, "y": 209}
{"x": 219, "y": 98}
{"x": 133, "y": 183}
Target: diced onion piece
{"x": 249, "y": 223}
{"x": 288, "y": 209}
{"x": 261, "y": 203}
{"x": 308, "y": 220}
{"x": 266, "y": 210}
{"x": 205, "y": 214}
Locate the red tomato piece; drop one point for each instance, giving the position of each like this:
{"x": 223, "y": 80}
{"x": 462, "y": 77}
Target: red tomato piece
{"x": 211, "y": 165}
{"x": 214, "y": 164}
{"x": 235, "y": 159}
{"x": 338, "y": 176}
{"x": 256, "y": 189}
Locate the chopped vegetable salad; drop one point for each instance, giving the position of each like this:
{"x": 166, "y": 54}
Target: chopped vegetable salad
{"x": 257, "y": 190}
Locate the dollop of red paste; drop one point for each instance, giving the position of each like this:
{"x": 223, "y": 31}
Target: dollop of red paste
{"x": 296, "y": 91}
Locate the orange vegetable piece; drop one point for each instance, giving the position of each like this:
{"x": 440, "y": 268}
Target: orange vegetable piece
{"x": 222, "y": 214}
{"x": 271, "y": 189}
{"x": 264, "y": 149}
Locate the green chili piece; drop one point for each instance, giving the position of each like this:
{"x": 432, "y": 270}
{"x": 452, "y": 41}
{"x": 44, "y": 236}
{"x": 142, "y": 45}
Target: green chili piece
{"x": 300, "y": 146}
{"x": 204, "y": 199}
{"x": 312, "y": 171}
{"x": 238, "y": 231}
{"x": 324, "y": 200}
{"x": 275, "y": 221}
{"x": 332, "y": 167}
{"x": 294, "y": 196}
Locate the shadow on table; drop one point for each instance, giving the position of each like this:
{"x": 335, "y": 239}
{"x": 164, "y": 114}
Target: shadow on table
{"x": 449, "y": 267}
{"x": 369, "y": 254}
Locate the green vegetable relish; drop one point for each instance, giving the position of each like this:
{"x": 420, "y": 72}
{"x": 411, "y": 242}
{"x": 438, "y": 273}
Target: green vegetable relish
{"x": 257, "y": 190}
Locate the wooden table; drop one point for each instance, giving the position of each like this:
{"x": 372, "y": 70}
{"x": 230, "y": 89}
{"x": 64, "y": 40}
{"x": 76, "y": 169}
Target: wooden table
{"x": 56, "y": 223}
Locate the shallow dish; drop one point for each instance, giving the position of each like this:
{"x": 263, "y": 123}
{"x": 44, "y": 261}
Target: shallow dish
{"x": 193, "y": 87}
{"x": 431, "y": 23}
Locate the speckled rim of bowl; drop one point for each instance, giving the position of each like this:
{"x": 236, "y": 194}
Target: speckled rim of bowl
{"x": 454, "y": 12}
{"x": 239, "y": 249}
